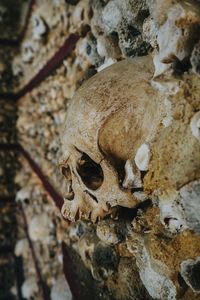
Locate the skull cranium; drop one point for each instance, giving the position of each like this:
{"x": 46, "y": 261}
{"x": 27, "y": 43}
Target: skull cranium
{"x": 109, "y": 118}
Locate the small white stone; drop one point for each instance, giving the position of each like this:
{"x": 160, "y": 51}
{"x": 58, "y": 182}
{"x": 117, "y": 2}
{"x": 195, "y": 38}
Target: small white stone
{"x": 153, "y": 274}
{"x": 174, "y": 36}
{"x": 61, "y": 290}
{"x": 172, "y": 217}
{"x": 142, "y": 157}
{"x": 190, "y": 196}
{"x": 195, "y": 125}
{"x": 27, "y": 52}
{"x": 22, "y": 247}
{"x": 39, "y": 27}
{"x": 111, "y": 16}
{"x": 29, "y": 288}
{"x": 23, "y": 194}
{"x": 14, "y": 290}
{"x": 39, "y": 228}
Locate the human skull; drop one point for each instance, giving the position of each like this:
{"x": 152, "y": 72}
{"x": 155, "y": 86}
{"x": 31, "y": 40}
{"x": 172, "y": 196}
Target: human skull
{"x": 109, "y": 118}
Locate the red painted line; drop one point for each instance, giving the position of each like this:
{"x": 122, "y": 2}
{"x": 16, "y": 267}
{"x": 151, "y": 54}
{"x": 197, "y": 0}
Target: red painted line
{"x": 70, "y": 276}
{"x": 50, "y": 66}
{"x": 58, "y": 199}
{"x": 41, "y": 283}
{"x": 68, "y": 267}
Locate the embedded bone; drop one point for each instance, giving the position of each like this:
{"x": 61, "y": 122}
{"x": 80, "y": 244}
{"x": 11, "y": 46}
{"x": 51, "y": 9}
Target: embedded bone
{"x": 172, "y": 213}
{"x": 28, "y": 49}
{"x": 61, "y": 289}
{"x": 81, "y": 14}
{"x": 39, "y": 228}
{"x": 153, "y": 273}
{"x": 123, "y": 18}
{"x": 159, "y": 9}
{"x": 155, "y": 279}
{"x": 23, "y": 194}
{"x": 96, "y": 143}
{"x": 22, "y": 248}
{"x": 142, "y": 157}
{"x": 195, "y": 125}
{"x": 39, "y": 27}
{"x": 17, "y": 68}
{"x": 29, "y": 287}
{"x": 177, "y": 35}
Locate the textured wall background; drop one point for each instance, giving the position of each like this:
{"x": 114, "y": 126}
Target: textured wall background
{"x": 150, "y": 251}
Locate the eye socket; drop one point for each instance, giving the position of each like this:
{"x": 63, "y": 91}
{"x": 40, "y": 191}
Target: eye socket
{"x": 90, "y": 172}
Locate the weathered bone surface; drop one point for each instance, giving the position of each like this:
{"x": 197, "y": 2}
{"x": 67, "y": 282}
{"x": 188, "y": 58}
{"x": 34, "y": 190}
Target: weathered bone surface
{"x": 109, "y": 119}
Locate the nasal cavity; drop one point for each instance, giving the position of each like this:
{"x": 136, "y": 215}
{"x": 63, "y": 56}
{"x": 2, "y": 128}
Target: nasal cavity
{"x": 90, "y": 172}
{"x": 66, "y": 172}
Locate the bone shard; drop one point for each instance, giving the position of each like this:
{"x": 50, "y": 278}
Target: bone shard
{"x": 142, "y": 157}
